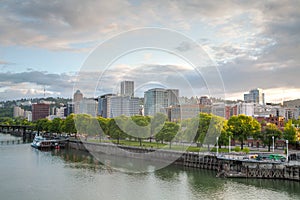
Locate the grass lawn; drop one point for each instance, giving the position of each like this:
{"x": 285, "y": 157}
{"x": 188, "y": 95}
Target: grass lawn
{"x": 166, "y": 146}
{"x": 155, "y": 144}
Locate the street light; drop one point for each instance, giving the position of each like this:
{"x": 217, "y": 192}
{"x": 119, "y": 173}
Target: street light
{"x": 217, "y": 146}
{"x": 287, "y": 151}
{"x": 273, "y": 143}
{"x": 229, "y": 144}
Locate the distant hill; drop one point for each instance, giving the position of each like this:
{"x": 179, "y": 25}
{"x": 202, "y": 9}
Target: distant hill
{"x": 6, "y": 107}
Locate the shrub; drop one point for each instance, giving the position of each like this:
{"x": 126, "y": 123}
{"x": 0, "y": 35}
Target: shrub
{"x": 237, "y": 149}
{"x": 246, "y": 150}
{"x": 214, "y": 149}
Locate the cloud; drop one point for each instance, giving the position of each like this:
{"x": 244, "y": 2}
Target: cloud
{"x": 32, "y": 83}
{"x": 255, "y": 44}
{"x": 58, "y": 25}
{"x": 3, "y": 62}
{"x": 145, "y": 76}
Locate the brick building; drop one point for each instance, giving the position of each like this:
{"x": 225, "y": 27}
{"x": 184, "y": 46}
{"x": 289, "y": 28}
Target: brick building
{"x": 40, "y": 111}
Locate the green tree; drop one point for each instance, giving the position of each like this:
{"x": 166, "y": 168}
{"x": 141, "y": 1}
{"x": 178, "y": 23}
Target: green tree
{"x": 189, "y": 128}
{"x": 242, "y": 127}
{"x": 270, "y": 131}
{"x": 215, "y": 129}
{"x": 82, "y": 123}
{"x": 68, "y": 124}
{"x": 204, "y": 122}
{"x": 116, "y": 128}
{"x": 156, "y": 124}
{"x": 138, "y": 127}
{"x": 103, "y": 122}
{"x": 290, "y": 132}
{"x": 224, "y": 136}
{"x": 210, "y": 127}
{"x": 171, "y": 129}
{"x": 55, "y": 125}
{"x": 6, "y": 120}
{"x": 168, "y": 132}
{"x": 93, "y": 128}
{"x": 42, "y": 125}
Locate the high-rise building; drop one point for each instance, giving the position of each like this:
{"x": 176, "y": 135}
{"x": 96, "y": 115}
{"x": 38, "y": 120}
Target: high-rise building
{"x": 77, "y": 98}
{"x": 155, "y": 100}
{"x": 88, "y": 106}
{"x": 28, "y": 115}
{"x": 127, "y": 88}
{"x": 18, "y": 111}
{"x": 180, "y": 112}
{"x": 124, "y": 105}
{"x": 40, "y": 111}
{"x": 104, "y": 105}
{"x": 172, "y": 97}
{"x": 110, "y": 105}
{"x": 70, "y": 108}
{"x": 60, "y": 112}
{"x": 255, "y": 96}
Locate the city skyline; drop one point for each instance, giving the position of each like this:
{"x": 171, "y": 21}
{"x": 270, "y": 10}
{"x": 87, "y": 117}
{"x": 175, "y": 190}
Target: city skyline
{"x": 44, "y": 45}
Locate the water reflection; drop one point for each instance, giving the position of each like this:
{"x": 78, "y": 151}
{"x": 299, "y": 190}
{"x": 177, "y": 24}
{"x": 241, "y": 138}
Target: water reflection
{"x": 32, "y": 174}
{"x": 290, "y": 187}
{"x": 203, "y": 181}
{"x": 79, "y": 159}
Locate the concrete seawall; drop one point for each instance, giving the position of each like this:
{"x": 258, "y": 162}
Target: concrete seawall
{"x": 224, "y": 167}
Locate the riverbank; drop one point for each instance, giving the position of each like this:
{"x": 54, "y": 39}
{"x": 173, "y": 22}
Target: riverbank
{"x": 233, "y": 166}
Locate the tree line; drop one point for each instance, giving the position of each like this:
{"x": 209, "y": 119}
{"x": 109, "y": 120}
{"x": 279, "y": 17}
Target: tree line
{"x": 205, "y": 128}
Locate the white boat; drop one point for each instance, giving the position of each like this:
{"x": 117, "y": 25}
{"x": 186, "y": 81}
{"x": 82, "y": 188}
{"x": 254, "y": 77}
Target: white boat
{"x": 40, "y": 142}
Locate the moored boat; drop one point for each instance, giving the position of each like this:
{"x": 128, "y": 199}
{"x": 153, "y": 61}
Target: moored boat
{"x": 40, "y": 142}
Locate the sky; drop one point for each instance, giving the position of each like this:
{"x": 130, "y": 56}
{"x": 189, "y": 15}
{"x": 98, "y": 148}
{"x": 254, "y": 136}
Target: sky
{"x": 213, "y": 48}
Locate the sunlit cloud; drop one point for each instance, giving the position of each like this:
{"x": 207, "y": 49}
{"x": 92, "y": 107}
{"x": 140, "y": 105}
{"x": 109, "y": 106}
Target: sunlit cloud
{"x": 254, "y": 44}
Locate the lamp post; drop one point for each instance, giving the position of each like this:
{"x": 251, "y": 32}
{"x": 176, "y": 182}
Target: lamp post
{"x": 217, "y": 146}
{"x": 229, "y": 144}
{"x": 273, "y": 143}
{"x": 287, "y": 151}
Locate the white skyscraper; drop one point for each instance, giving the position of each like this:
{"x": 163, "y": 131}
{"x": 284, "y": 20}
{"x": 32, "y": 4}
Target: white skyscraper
{"x": 158, "y": 98}
{"x": 127, "y": 88}
{"x": 124, "y": 105}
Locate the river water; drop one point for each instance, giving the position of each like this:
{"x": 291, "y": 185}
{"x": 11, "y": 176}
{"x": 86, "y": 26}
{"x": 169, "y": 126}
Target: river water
{"x": 27, "y": 173}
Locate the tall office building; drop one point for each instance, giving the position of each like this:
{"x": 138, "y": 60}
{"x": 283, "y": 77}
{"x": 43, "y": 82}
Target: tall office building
{"x": 104, "y": 105}
{"x": 255, "y": 96}
{"x": 127, "y": 88}
{"x": 40, "y": 110}
{"x": 77, "y": 98}
{"x": 110, "y": 106}
{"x": 88, "y": 106}
{"x": 158, "y": 98}
{"x": 171, "y": 96}
{"x": 124, "y": 105}
{"x": 18, "y": 111}
{"x": 70, "y": 108}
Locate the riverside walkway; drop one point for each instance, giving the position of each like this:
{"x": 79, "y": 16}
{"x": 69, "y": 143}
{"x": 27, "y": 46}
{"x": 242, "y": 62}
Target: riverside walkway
{"x": 232, "y": 165}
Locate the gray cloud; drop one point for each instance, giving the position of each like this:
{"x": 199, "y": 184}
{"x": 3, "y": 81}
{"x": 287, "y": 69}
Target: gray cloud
{"x": 254, "y": 43}
{"x": 32, "y": 83}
